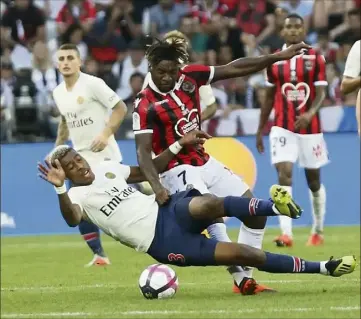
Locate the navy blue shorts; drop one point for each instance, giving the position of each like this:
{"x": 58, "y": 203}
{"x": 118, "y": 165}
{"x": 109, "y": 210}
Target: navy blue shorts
{"x": 178, "y": 239}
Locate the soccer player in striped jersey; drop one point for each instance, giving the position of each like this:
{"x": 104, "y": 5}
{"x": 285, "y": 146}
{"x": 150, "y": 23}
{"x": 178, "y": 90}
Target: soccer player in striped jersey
{"x": 167, "y": 109}
{"x": 297, "y": 88}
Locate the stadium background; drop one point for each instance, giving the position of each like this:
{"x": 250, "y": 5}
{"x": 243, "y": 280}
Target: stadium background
{"x": 110, "y": 37}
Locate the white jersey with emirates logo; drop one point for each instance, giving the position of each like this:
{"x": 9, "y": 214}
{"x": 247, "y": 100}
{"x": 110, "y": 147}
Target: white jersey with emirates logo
{"x": 117, "y": 208}
{"x": 86, "y": 109}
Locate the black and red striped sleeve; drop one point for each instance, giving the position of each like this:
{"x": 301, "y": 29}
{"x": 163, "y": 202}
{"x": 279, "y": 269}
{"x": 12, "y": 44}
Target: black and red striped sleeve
{"x": 270, "y": 80}
{"x": 202, "y": 74}
{"x": 320, "y": 71}
{"x": 143, "y": 116}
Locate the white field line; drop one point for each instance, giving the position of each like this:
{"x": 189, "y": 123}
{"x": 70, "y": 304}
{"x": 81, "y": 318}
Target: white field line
{"x": 175, "y": 312}
{"x": 115, "y": 285}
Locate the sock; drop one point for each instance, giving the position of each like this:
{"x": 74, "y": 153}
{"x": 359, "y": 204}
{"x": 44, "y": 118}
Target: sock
{"x": 218, "y": 231}
{"x": 253, "y": 238}
{"x": 241, "y": 207}
{"x": 318, "y": 200}
{"x": 286, "y": 222}
{"x": 276, "y": 263}
{"x": 91, "y": 235}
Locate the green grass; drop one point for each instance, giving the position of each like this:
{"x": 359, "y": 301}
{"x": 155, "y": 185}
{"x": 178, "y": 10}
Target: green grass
{"x": 43, "y": 277}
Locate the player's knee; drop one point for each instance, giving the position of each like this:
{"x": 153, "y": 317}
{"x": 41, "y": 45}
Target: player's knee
{"x": 285, "y": 177}
{"x": 255, "y": 222}
{"x": 206, "y": 207}
{"x": 314, "y": 185}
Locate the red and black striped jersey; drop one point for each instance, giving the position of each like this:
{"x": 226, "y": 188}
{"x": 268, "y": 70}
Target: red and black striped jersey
{"x": 168, "y": 116}
{"x": 295, "y": 81}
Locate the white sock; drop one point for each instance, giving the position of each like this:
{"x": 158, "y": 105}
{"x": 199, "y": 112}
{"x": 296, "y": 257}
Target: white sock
{"x": 286, "y": 222}
{"x": 253, "y": 238}
{"x": 218, "y": 231}
{"x": 323, "y": 269}
{"x": 318, "y": 200}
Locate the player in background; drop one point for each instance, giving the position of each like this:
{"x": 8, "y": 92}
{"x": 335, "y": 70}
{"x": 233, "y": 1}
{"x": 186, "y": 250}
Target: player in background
{"x": 207, "y": 98}
{"x": 91, "y": 113}
{"x": 105, "y": 197}
{"x": 167, "y": 109}
{"x": 296, "y": 90}
{"x": 351, "y": 80}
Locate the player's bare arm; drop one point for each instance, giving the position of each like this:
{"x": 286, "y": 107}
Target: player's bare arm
{"x": 209, "y": 111}
{"x": 63, "y": 132}
{"x": 118, "y": 113}
{"x": 266, "y": 110}
{"x": 144, "y": 155}
{"x": 350, "y": 84}
{"x": 304, "y": 120}
{"x": 161, "y": 161}
{"x": 55, "y": 175}
{"x": 246, "y": 66}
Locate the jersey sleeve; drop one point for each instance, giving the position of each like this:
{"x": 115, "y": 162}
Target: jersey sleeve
{"x": 206, "y": 95}
{"x": 202, "y": 74}
{"x": 104, "y": 94}
{"x": 124, "y": 170}
{"x": 143, "y": 116}
{"x": 76, "y": 197}
{"x": 353, "y": 64}
{"x": 320, "y": 71}
{"x": 270, "y": 79}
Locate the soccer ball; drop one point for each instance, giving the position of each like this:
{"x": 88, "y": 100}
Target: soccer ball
{"x": 158, "y": 282}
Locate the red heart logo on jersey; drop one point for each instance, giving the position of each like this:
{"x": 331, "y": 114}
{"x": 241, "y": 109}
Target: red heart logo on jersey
{"x": 187, "y": 124}
{"x": 294, "y": 93}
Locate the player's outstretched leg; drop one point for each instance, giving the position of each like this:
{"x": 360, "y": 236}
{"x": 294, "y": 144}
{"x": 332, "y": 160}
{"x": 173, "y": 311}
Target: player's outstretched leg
{"x": 232, "y": 253}
{"x": 212, "y": 207}
{"x": 91, "y": 235}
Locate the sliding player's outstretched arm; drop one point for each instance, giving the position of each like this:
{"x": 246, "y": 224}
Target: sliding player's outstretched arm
{"x": 55, "y": 175}
{"x": 246, "y": 66}
{"x": 161, "y": 161}
{"x": 63, "y": 132}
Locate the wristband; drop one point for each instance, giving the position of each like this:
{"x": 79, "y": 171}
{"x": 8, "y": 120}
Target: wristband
{"x": 175, "y": 148}
{"x": 60, "y": 190}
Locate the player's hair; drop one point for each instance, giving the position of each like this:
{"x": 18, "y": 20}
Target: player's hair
{"x": 58, "y": 153}
{"x": 171, "y": 49}
{"x": 295, "y": 16}
{"x": 69, "y": 46}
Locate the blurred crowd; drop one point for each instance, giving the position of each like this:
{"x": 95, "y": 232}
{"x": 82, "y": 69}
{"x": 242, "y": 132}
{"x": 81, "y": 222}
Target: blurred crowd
{"x": 110, "y": 35}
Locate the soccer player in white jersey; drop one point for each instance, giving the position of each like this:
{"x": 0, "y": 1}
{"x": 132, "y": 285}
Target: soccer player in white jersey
{"x": 208, "y": 100}
{"x": 91, "y": 113}
{"x": 171, "y": 233}
{"x": 352, "y": 77}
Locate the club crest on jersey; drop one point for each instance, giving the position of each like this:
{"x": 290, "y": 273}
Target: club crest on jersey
{"x": 188, "y": 86}
{"x": 188, "y": 123}
{"x": 308, "y": 65}
{"x": 110, "y": 175}
{"x": 80, "y": 100}
{"x": 299, "y": 92}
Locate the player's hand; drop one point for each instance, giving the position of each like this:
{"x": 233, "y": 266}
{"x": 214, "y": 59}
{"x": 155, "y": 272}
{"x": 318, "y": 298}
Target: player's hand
{"x": 53, "y": 175}
{"x": 162, "y": 196}
{"x": 303, "y": 121}
{"x": 293, "y": 50}
{"x": 194, "y": 137}
{"x": 259, "y": 142}
{"x": 99, "y": 143}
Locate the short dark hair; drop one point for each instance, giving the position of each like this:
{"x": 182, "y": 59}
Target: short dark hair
{"x": 69, "y": 46}
{"x": 167, "y": 49}
{"x": 136, "y": 74}
{"x": 295, "y": 16}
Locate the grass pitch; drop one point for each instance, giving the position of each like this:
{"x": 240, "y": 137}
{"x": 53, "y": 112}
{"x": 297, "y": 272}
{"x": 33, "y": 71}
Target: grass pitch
{"x": 44, "y": 277}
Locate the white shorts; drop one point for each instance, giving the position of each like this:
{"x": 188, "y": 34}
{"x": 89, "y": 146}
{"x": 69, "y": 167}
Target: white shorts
{"x": 213, "y": 177}
{"x": 309, "y": 149}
